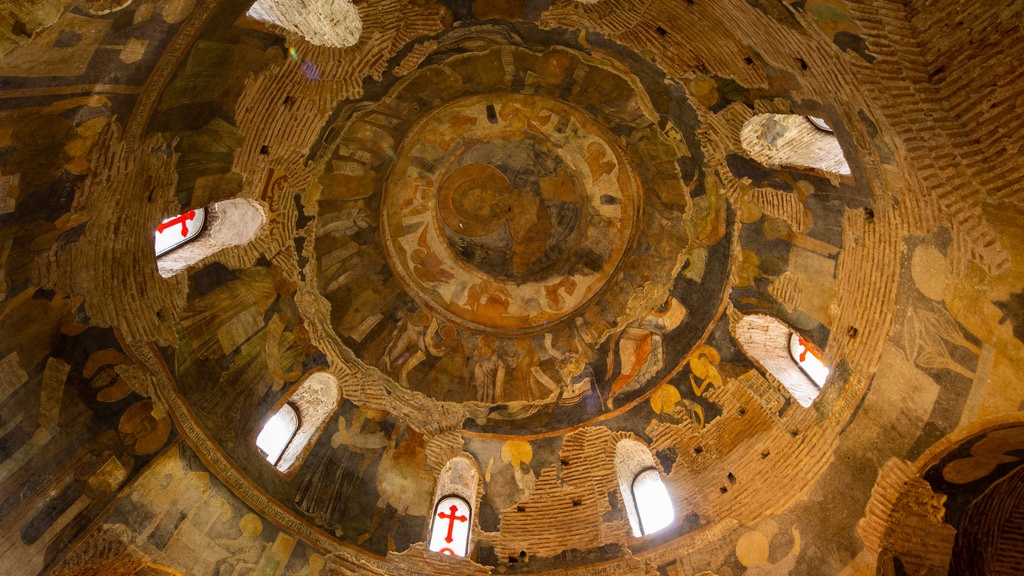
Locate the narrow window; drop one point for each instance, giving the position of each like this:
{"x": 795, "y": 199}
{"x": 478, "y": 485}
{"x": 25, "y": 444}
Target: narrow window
{"x": 451, "y": 526}
{"x": 277, "y": 433}
{"x": 644, "y": 494}
{"x": 653, "y": 506}
{"x": 336, "y": 23}
{"x": 794, "y": 141}
{"x": 188, "y": 238}
{"x": 808, "y": 358}
{"x": 304, "y": 411}
{"x": 820, "y": 124}
{"x": 174, "y": 232}
{"x": 450, "y": 529}
{"x": 778, "y": 349}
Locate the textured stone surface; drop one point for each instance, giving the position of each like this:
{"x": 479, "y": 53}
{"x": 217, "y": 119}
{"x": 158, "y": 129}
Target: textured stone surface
{"x": 129, "y": 401}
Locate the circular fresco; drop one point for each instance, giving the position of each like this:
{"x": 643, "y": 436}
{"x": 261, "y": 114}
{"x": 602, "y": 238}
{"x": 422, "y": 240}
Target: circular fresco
{"x": 511, "y": 219}
{"x": 525, "y": 230}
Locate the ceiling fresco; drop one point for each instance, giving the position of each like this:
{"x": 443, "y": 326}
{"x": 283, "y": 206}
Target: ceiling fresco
{"x": 513, "y": 227}
{"x": 515, "y": 233}
{"x": 526, "y": 234}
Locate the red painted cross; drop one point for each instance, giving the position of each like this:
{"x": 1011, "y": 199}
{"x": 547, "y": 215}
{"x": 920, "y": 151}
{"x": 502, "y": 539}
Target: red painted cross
{"x": 807, "y": 348}
{"x": 183, "y": 220}
{"x": 451, "y": 518}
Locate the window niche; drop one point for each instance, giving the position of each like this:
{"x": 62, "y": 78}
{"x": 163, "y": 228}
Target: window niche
{"x": 277, "y": 433}
{"x": 207, "y": 231}
{"x": 784, "y": 353}
{"x": 333, "y": 23}
{"x": 646, "y": 498}
{"x": 451, "y": 525}
{"x": 285, "y": 436}
{"x": 793, "y": 141}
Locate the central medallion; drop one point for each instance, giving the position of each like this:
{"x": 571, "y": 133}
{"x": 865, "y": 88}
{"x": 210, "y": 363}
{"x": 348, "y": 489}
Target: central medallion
{"x": 507, "y": 213}
{"x": 524, "y": 229}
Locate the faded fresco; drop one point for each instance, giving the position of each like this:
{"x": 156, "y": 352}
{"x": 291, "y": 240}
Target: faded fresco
{"x": 514, "y": 233}
{"x": 177, "y": 519}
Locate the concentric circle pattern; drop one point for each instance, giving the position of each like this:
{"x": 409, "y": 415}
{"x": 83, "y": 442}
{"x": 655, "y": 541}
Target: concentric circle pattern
{"x": 507, "y": 213}
{"x": 523, "y": 230}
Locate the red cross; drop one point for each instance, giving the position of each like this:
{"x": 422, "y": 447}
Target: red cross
{"x": 807, "y": 348}
{"x": 451, "y": 518}
{"x": 183, "y": 220}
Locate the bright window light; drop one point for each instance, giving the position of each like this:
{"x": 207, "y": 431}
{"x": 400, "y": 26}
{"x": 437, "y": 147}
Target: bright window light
{"x": 820, "y": 124}
{"x": 277, "y": 433}
{"x": 653, "y": 505}
{"x": 449, "y": 532}
{"x": 807, "y": 356}
{"x": 174, "y": 232}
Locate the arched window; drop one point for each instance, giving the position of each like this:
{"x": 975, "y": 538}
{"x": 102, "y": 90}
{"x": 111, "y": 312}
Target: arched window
{"x": 808, "y": 358}
{"x": 297, "y": 421}
{"x": 334, "y": 23}
{"x": 644, "y": 494}
{"x": 206, "y": 231}
{"x": 451, "y": 525}
{"x": 653, "y": 506}
{"x": 277, "y": 433}
{"x": 793, "y": 141}
{"x": 449, "y": 533}
{"x": 792, "y": 359}
{"x": 178, "y": 230}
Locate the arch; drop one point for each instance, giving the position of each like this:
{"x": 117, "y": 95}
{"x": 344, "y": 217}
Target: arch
{"x": 451, "y": 524}
{"x": 277, "y": 433}
{"x": 781, "y": 351}
{"x": 644, "y": 494}
{"x": 312, "y": 401}
{"x": 793, "y": 141}
{"x": 228, "y": 223}
{"x": 334, "y": 23}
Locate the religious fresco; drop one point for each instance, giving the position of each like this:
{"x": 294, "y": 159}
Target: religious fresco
{"x": 117, "y": 429}
{"x": 369, "y": 483}
{"x": 529, "y": 242}
{"x": 176, "y": 518}
{"x": 968, "y": 469}
{"x": 524, "y": 270}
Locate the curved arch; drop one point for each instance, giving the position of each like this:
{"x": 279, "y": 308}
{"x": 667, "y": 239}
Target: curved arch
{"x": 451, "y": 525}
{"x": 313, "y": 401}
{"x": 335, "y": 23}
{"x": 648, "y": 505}
{"x": 793, "y": 141}
{"x": 778, "y": 349}
{"x": 228, "y": 223}
{"x": 277, "y": 433}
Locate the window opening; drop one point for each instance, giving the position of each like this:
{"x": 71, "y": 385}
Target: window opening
{"x": 653, "y": 505}
{"x": 451, "y": 526}
{"x": 782, "y": 352}
{"x": 450, "y": 529}
{"x": 335, "y": 23}
{"x": 820, "y": 124}
{"x": 178, "y": 230}
{"x": 277, "y": 433}
{"x": 794, "y": 141}
{"x": 644, "y": 494}
{"x": 188, "y": 238}
{"x": 304, "y": 412}
{"x": 808, "y": 358}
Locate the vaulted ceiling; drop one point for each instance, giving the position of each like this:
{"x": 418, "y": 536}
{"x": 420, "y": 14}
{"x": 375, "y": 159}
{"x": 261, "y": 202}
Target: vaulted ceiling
{"x": 512, "y": 235}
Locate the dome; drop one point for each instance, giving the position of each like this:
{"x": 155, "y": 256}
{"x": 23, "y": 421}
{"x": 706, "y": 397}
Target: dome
{"x": 520, "y": 287}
